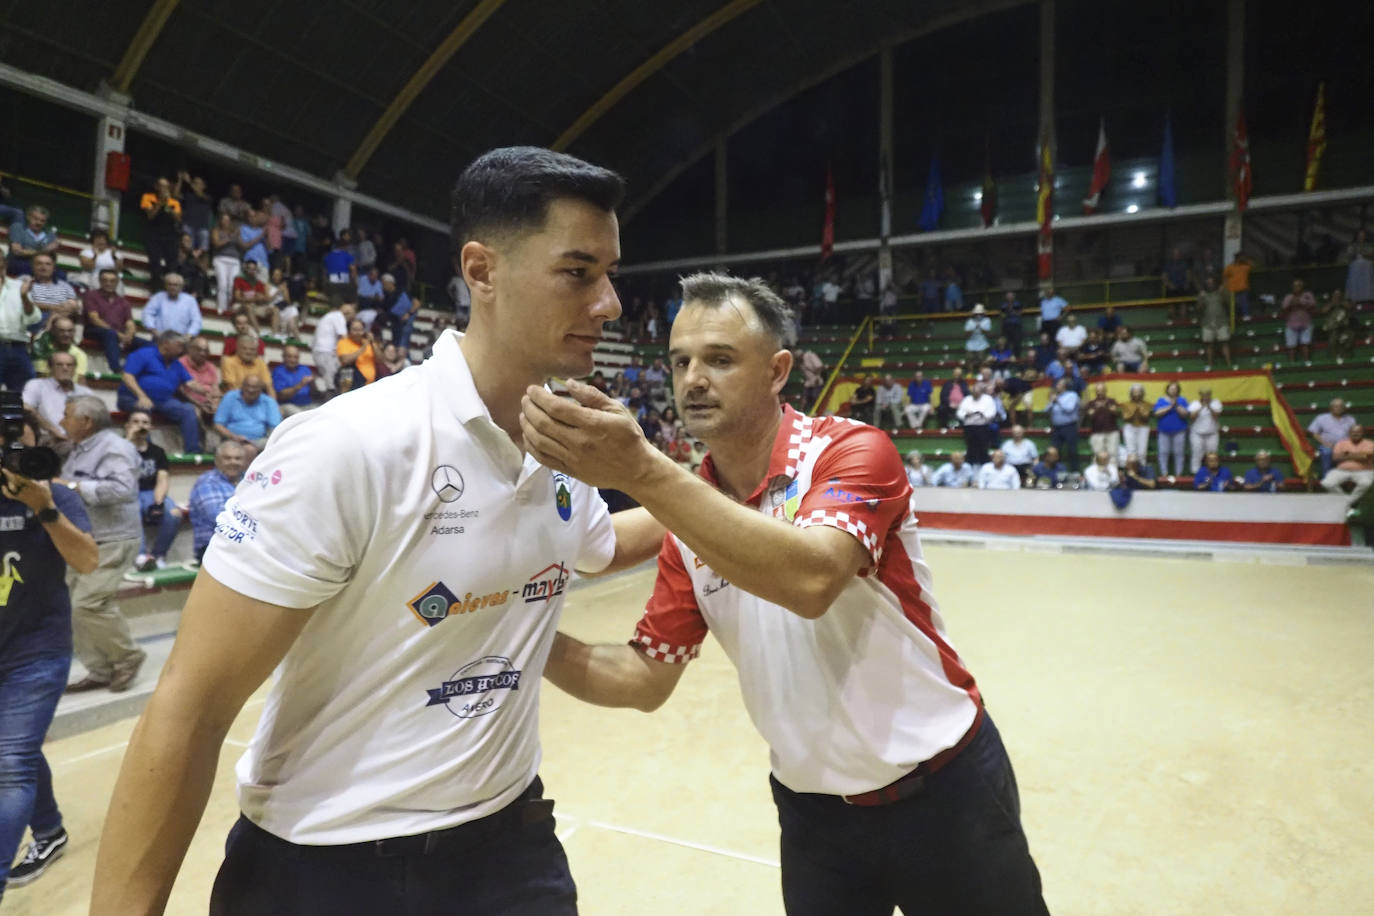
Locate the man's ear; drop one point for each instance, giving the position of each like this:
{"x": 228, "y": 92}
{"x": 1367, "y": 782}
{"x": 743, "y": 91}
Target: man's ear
{"x": 476, "y": 263}
{"x": 781, "y": 366}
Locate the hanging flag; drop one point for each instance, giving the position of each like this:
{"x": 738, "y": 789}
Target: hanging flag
{"x": 1316, "y": 140}
{"x": 828, "y": 230}
{"x": 1240, "y": 163}
{"x": 1168, "y": 187}
{"x": 884, "y": 224}
{"x": 935, "y": 199}
{"x": 987, "y": 205}
{"x": 1102, "y": 170}
{"x": 1044, "y": 211}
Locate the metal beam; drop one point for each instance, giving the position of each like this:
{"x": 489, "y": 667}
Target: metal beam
{"x": 417, "y": 83}
{"x": 651, "y": 66}
{"x": 142, "y": 43}
{"x": 61, "y": 94}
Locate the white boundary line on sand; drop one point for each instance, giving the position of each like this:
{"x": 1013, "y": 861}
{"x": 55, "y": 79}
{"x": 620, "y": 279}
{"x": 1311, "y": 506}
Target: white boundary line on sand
{"x": 125, "y": 743}
{"x": 579, "y": 822}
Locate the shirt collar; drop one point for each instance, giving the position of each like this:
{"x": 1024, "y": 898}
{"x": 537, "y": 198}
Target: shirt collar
{"x": 793, "y": 429}
{"x": 455, "y": 378}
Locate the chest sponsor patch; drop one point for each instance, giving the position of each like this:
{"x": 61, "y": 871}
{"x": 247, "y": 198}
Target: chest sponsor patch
{"x": 477, "y": 689}
{"x": 437, "y": 603}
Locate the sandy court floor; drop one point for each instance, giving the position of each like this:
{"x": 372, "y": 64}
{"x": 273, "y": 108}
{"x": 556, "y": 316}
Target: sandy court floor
{"x": 1190, "y": 737}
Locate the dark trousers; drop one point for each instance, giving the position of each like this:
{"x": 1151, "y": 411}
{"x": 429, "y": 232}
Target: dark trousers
{"x": 1050, "y": 327}
{"x": 977, "y": 440}
{"x": 15, "y": 366}
{"x": 29, "y": 691}
{"x": 109, "y": 341}
{"x": 509, "y": 863}
{"x": 956, "y": 848}
{"x": 1014, "y": 333}
{"x": 1065, "y": 438}
{"x": 162, "y": 258}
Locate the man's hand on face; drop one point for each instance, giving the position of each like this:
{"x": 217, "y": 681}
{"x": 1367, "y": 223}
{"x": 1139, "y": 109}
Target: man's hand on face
{"x": 589, "y": 436}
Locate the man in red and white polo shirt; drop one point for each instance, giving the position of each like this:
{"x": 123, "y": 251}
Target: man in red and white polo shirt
{"x": 797, "y": 548}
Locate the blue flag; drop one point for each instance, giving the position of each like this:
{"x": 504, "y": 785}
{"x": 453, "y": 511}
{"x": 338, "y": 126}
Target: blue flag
{"x": 935, "y": 199}
{"x": 1168, "y": 187}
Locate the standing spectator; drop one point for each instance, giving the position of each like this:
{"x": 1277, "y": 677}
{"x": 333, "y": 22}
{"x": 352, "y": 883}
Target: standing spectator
{"x": 204, "y": 397}
{"x": 234, "y": 206}
{"x": 887, "y": 308}
{"x": 1329, "y": 428}
{"x": 1013, "y": 328}
{"x": 1136, "y": 473}
{"x": 29, "y": 238}
{"x": 253, "y": 240}
{"x": 954, "y": 295}
{"x": 358, "y": 355}
{"x": 52, "y": 296}
{"x": 861, "y": 403}
{"x": 1052, "y": 308}
{"x": 1338, "y": 323}
{"x": 17, "y": 313}
{"x": 110, "y": 319}
{"x": 47, "y": 398}
{"x": 172, "y": 310}
{"x": 1204, "y": 431}
{"x": 1215, "y": 321}
{"x": 998, "y": 475}
{"x": 813, "y": 376}
{"x": 1101, "y": 474}
{"x": 400, "y": 312}
{"x": 212, "y": 490}
{"x": 1262, "y": 478}
{"x": 1020, "y": 452}
{"x": 227, "y": 258}
{"x": 917, "y": 474}
{"x": 1071, "y": 335}
{"x": 954, "y": 390}
{"x": 1109, "y": 322}
{"x": 1171, "y": 412}
{"x": 1048, "y": 473}
{"x": 1102, "y": 412}
{"x": 59, "y": 338}
{"x": 888, "y": 404}
{"x": 1135, "y": 422}
{"x": 43, "y": 531}
{"x": 1178, "y": 284}
{"x": 402, "y": 267}
{"x": 656, "y": 382}
{"x": 977, "y": 327}
{"x": 461, "y": 297}
{"x": 161, "y": 229}
{"x": 1359, "y": 275}
{"x": 1296, "y": 310}
{"x": 341, "y": 273}
{"x": 246, "y": 363}
{"x": 292, "y": 382}
{"x": 1212, "y": 476}
{"x": 366, "y": 253}
{"x": 1129, "y": 352}
{"x": 1354, "y": 460}
{"x": 153, "y": 377}
{"x": 954, "y": 472}
{"x": 197, "y": 209}
{"x": 103, "y": 470}
{"x": 1063, "y": 410}
{"x": 370, "y": 292}
{"x": 97, "y": 256}
{"x": 1019, "y": 390}
{"x": 1237, "y": 279}
{"x": 978, "y": 414}
{"x": 246, "y": 416}
{"x": 155, "y": 509}
{"x": 279, "y": 217}
{"x": 918, "y": 393}
{"x": 929, "y": 292}
{"x": 9, "y": 213}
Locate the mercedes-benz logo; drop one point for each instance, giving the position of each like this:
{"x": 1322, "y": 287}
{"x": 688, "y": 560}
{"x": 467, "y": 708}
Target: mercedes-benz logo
{"x": 447, "y": 483}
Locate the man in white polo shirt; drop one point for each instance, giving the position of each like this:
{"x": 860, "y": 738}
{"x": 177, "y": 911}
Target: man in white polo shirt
{"x": 403, "y": 562}
{"x": 796, "y": 547}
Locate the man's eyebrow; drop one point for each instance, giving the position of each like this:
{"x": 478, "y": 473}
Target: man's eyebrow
{"x": 586, "y": 257}
{"x": 715, "y": 346}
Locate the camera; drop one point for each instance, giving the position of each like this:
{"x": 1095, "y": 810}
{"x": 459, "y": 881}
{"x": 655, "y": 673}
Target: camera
{"x": 32, "y": 461}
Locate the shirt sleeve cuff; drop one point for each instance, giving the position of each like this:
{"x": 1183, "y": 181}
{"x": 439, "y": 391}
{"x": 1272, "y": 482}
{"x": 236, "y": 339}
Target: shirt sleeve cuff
{"x": 661, "y": 651}
{"x": 845, "y": 522}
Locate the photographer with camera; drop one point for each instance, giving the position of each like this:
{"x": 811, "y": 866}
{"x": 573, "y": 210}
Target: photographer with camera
{"x": 42, "y": 532}
{"x": 103, "y": 470}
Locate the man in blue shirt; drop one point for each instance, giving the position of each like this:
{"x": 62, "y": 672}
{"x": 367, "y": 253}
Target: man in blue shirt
{"x": 245, "y": 416}
{"x": 1212, "y": 476}
{"x": 253, "y": 239}
{"x": 918, "y": 394}
{"x": 212, "y": 490}
{"x": 30, "y": 237}
{"x": 154, "y": 376}
{"x": 1012, "y": 326}
{"x": 1052, "y": 308}
{"x": 1109, "y": 322}
{"x": 400, "y": 312}
{"x": 954, "y": 473}
{"x": 341, "y": 273}
{"x": 1063, "y": 411}
{"x": 1048, "y": 469}
{"x": 292, "y": 381}
{"x": 1262, "y": 478}
{"x": 370, "y": 290}
{"x": 172, "y": 309}
{"x": 1136, "y": 475}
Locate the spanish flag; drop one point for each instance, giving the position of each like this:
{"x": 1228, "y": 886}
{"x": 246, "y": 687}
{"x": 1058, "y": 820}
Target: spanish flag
{"x": 1044, "y": 211}
{"x": 1316, "y": 140}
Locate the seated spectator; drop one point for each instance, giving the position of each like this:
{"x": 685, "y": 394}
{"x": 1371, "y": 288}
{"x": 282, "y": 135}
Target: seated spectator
{"x": 650, "y": 424}
{"x": 671, "y": 426}
{"x": 861, "y": 403}
{"x": 291, "y": 380}
{"x": 285, "y": 293}
{"x": 978, "y": 415}
{"x": 1044, "y": 353}
{"x": 1101, "y": 413}
{"x": 918, "y": 393}
{"x": 1354, "y": 460}
{"x": 393, "y": 361}
{"x": 812, "y": 369}
{"x": 358, "y": 355}
{"x": 1101, "y": 474}
{"x": 1204, "y": 430}
{"x": 30, "y": 237}
{"x": 1108, "y": 323}
{"x": 1340, "y": 326}
{"x": 172, "y": 309}
{"x": 246, "y": 364}
{"x": 954, "y": 472}
{"x": 1092, "y": 356}
{"x": 655, "y": 382}
{"x": 399, "y": 312}
{"x": 1001, "y": 354}
{"x": 1135, "y": 423}
{"x": 60, "y": 337}
{"x": 212, "y": 490}
{"x": 244, "y": 323}
{"x": 952, "y": 392}
{"x": 206, "y": 376}
{"x": 99, "y": 255}
{"x": 47, "y": 398}
{"x": 193, "y": 267}
{"x": 1328, "y": 429}
{"x": 154, "y": 507}
{"x": 888, "y": 404}
{"x": 1020, "y": 452}
{"x": 1071, "y": 335}
{"x": 1129, "y": 352}
{"x": 977, "y": 327}
{"x": 250, "y": 292}
{"x": 1262, "y": 478}
{"x": 245, "y": 416}
{"x": 1212, "y": 475}
{"x": 1048, "y": 473}
{"x": 55, "y": 298}
{"x": 917, "y": 474}
{"x": 153, "y": 377}
{"x": 998, "y": 475}
{"x": 1296, "y": 311}
{"x": 110, "y": 320}
{"x": 370, "y": 290}
{"x": 1136, "y": 474}
{"x": 1214, "y": 319}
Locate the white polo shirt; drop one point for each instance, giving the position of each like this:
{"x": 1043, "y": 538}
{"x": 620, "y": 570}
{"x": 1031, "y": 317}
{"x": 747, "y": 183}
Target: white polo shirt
{"x": 854, "y": 700}
{"x": 438, "y": 555}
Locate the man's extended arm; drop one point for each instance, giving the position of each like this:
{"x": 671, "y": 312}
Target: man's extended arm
{"x": 610, "y": 674}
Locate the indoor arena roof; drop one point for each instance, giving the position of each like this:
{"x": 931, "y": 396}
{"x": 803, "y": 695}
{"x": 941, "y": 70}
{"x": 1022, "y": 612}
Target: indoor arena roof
{"x": 643, "y": 86}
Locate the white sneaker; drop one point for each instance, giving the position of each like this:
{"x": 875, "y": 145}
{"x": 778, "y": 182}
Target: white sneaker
{"x": 140, "y": 560}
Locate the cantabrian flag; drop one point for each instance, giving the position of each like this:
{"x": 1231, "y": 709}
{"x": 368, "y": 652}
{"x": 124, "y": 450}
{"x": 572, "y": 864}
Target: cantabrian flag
{"x": 1316, "y": 140}
{"x": 1044, "y": 211}
{"x": 828, "y": 229}
{"x": 1241, "y": 174}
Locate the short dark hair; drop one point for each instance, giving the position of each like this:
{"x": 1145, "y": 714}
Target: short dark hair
{"x": 107, "y": 270}
{"x": 508, "y": 190}
{"x": 716, "y": 289}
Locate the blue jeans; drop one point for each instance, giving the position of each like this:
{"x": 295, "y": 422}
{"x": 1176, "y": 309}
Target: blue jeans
{"x": 1065, "y": 438}
{"x": 109, "y": 340}
{"x": 29, "y": 692}
{"x": 1171, "y": 446}
{"x": 15, "y": 366}
{"x": 401, "y": 328}
{"x": 166, "y": 529}
{"x": 956, "y": 847}
{"x": 1243, "y": 302}
{"x": 180, "y": 412}
{"x": 508, "y": 863}
{"x": 1324, "y": 456}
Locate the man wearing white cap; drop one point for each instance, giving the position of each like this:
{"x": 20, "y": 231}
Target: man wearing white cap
{"x": 977, "y": 328}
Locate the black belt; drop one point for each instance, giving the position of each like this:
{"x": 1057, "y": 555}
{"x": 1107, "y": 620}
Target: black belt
{"x": 15, "y": 343}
